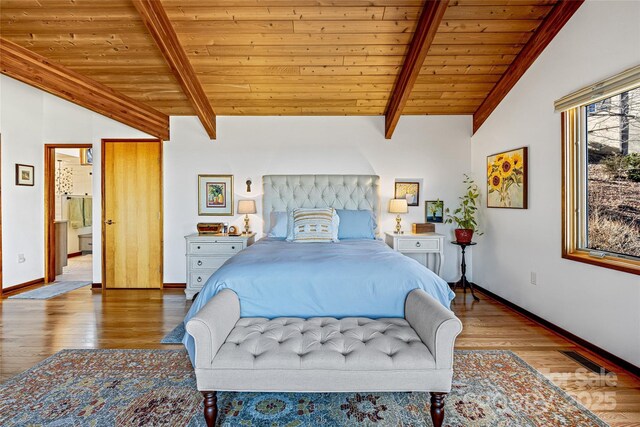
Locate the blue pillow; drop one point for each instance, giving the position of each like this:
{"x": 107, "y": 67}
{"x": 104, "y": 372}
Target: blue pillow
{"x": 278, "y": 225}
{"x": 356, "y": 224}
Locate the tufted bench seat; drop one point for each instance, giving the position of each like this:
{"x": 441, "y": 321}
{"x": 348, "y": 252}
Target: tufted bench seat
{"x": 324, "y": 354}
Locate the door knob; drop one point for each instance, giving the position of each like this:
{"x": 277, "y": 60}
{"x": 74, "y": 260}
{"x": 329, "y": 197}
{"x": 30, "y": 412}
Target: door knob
{"x": 109, "y": 222}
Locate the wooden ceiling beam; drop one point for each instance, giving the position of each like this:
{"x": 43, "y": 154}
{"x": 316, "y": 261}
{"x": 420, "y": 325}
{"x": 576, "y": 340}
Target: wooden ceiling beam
{"x": 430, "y": 18}
{"x": 157, "y": 22}
{"x": 548, "y": 29}
{"x": 36, "y": 70}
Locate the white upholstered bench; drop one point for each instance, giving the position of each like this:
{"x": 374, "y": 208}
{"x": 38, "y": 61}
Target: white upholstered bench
{"x": 324, "y": 354}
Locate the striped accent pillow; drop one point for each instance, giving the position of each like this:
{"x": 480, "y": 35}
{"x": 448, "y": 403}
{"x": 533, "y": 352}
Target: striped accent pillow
{"x": 314, "y": 225}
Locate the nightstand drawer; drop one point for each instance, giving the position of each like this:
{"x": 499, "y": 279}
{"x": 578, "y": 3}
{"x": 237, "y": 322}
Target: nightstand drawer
{"x": 200, "y": 278}
{"x": 418, "y": 244}
{"x": 199, "y": 263}
{"x": 197, "y": 248}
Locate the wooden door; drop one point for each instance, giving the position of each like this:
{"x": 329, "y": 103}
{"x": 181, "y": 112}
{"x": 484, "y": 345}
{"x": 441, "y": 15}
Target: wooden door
{"x": 132, "y": 214}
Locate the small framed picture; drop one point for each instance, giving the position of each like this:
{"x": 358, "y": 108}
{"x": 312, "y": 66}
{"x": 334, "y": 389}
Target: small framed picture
{"x": 408, "y": 190}
{"x": 24, "y": 175}
{"x": 434, "y": 210}
{"x": 86, "y": 156}
{"x": 215, "y": 195}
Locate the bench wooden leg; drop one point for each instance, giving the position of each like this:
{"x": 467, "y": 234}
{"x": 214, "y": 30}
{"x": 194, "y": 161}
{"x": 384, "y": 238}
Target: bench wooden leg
{"x": 210, "y": 407}
{"x": 437, "y": 408}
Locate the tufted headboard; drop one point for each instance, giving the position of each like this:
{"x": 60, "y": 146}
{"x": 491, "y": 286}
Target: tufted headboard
{"x": 352, "y": 192}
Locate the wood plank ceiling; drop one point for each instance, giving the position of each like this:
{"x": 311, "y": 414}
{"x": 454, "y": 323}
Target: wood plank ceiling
{"x": 283, "y": 57}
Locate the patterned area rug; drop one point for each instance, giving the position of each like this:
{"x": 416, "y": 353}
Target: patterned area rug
{"x": 52, "y": 290}
{"x": 157, "y": 387}
{"x": 175, "y": 336}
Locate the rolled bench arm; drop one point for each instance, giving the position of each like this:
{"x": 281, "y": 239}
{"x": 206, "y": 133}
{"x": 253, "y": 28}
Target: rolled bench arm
{"x": 436, "y": 326}
{"x": 211, "y": 326}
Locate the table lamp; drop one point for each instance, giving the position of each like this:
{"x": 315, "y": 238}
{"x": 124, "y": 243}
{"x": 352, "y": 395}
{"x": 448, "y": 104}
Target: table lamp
{"x": 246, "y": 207}
{"x": 398, "y": 206}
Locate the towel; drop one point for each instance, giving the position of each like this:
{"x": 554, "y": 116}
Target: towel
{"x": 76, "y": 217}
{"x": 88, "y": 211}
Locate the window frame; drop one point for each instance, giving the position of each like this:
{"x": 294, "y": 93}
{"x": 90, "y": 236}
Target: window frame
{"x": 574, "y": 193}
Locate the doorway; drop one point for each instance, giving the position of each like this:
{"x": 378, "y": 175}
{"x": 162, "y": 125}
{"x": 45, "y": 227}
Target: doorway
{"x": 68, "y": 212}
{"x": 132, "y": 230}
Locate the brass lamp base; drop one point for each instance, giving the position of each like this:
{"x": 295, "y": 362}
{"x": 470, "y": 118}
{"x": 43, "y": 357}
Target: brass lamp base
{"x": 398, "y": 227}
{"x": 246, "y": 224}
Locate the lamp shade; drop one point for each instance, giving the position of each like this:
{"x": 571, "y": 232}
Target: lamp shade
{"x": 246, "y": 206}
{"x": 398, "y": 206}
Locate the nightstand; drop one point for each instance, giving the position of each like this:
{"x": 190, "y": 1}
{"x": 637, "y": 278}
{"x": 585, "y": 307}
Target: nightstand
{"x": 206, "y": 253}
{"x": 419, "y": 247}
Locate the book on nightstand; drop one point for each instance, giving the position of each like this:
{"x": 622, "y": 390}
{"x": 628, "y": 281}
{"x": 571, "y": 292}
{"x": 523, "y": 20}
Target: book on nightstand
{"x": 420, "y": 228}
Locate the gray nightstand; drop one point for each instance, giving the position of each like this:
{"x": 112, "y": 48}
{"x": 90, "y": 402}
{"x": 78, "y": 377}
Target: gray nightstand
{"x": 206, "y": 253}
{"x": 419, "y": 247}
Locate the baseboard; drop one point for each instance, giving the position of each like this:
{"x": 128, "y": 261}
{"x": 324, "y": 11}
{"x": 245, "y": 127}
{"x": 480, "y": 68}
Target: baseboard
{"x": 165, "y": 286}
{"x": 174, "y": 286}
{"x": 15, "y": 288}
{"x": 628, "y": 366}
{"x": 74, "y": 254}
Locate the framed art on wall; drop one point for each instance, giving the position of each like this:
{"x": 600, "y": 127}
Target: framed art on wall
{"x": 434, "y": 210}
{"x": 86, "y": 156}
{"x": 409, "y": 190}
{"x": 24, "y": 175}
{"x": 507, "y": 179}
{"x": 215, "y": 195}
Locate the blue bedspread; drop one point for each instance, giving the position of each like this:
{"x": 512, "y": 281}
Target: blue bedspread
{"x": 275, "y": 278}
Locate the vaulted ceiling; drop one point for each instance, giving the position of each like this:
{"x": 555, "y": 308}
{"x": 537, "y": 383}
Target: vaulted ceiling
{"x": 283, "y": 57}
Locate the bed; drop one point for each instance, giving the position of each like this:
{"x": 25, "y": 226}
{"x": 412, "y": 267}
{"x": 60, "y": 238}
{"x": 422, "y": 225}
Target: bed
{"x": 363, "y": 278}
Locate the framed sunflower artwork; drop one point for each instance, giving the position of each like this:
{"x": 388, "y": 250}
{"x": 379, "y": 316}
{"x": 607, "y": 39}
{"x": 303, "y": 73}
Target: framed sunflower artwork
{"x": 507, "y": 179}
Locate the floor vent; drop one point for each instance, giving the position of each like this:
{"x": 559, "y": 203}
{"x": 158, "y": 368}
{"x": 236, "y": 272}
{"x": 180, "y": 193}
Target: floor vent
{"x": 587, "y": 363}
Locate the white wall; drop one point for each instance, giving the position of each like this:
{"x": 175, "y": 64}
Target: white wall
{"x": 31, "y": 118}
{"x": 434, "y": 149}
{"x": 22, "y": 207}
{"x": 597, "y": 304}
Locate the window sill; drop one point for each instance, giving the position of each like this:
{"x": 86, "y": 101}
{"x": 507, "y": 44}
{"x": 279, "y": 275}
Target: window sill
{"x": 625, "y": 265}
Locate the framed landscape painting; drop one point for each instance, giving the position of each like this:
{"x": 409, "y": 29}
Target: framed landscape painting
{"x": 507, "y": 179}
{"x": 215, "y": 195}
{"x": 24, "y": 175}
{"x": 409, "y": 191}
{"x": 434, "y": 210}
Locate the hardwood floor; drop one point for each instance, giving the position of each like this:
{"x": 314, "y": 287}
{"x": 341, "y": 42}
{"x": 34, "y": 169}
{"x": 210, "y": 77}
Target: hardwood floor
{"x": 31, "y": 330}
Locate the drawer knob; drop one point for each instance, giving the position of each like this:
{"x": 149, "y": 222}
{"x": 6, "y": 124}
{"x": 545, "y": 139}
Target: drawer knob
{"x": 199, "y": 262}
{"x": 417, "y": 244}
{"x": 199, "y": 279}
{"x": 198, "y": 247}
{"x": 233, "y": 247}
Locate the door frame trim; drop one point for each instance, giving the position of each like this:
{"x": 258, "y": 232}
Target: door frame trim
{"x": 103, "y": 142}
{"x": 0, "y": 215}
{"x": 50, "y": 206}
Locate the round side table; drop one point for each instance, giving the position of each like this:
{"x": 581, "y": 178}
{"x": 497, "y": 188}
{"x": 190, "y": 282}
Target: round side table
{"x": 464, "y": 282}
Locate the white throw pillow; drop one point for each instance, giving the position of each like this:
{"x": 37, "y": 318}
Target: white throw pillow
{"x": 313, "y": 225}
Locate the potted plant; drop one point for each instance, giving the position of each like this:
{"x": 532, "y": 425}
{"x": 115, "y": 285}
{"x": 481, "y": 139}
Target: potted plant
{"x": 465, "y": 215}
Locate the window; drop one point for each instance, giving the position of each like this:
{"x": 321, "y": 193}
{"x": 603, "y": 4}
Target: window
{"x": 601, "y": 173}
{"x": 599, "y": 106}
